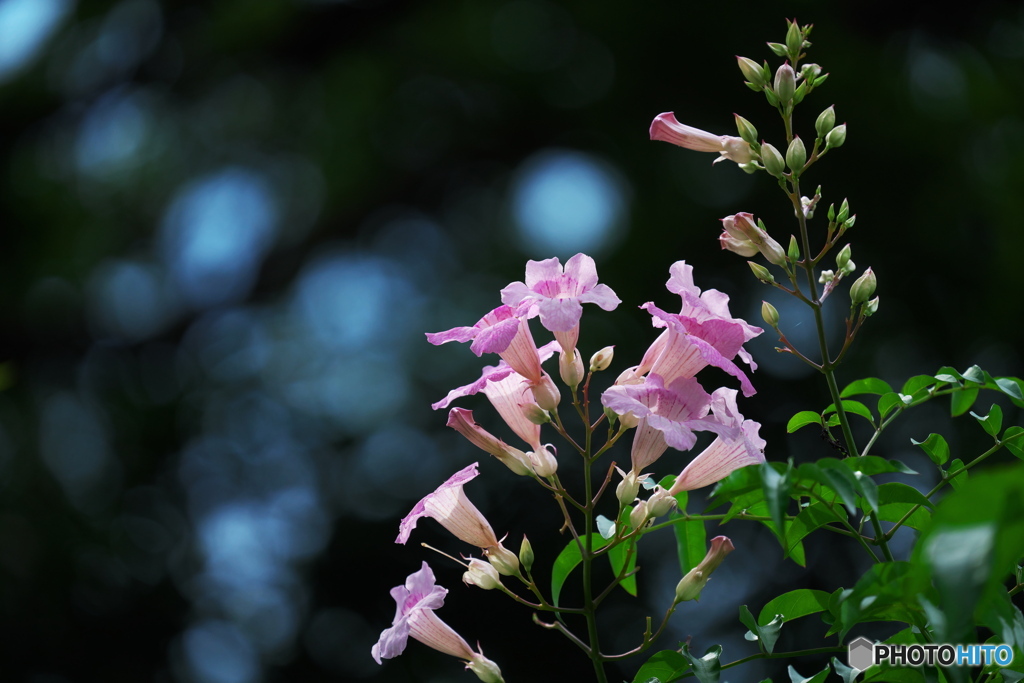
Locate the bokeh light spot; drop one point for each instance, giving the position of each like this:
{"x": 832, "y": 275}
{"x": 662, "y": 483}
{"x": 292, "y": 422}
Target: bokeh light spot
{"x": 26, "y": 25}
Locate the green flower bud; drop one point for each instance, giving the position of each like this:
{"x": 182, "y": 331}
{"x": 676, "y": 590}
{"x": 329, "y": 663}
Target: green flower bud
{"x": 848, "y": 223}
{"x": 627, "y": 489}
{"x": 526, "y": 553}
{"x": 794, "y": 249}
{"x": 871, "y": 307}
{"x": 844, "y": 212}
{"x": 794, "y": 39}
{"x": 863, "y": 287}
{"x": 660, "y": 503}
{"x": 831, "y": 212}
{"x": 761, "y": 273}
{"x": 843, "y": 257}
{"x": 809, "y": 72}
{"x": 752, "y": 72}
{"x": 778, "y": 48}
{"x": 836, "y": 137}
{"x": 746, "y": 129}
{"x": 826, "y": 121}
{"x": 796, "y": 155}
{"x": 770, "y": 315}
{"x": 785, "y": 83}
{"x": 826, "y": 277}
{"x": 690, "y": 586}
{"x": 772, "y": 160}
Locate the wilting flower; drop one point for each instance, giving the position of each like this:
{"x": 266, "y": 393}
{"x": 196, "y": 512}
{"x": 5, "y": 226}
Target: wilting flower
{"x": 558, "y": 295}
{"x": 693, "y": 583}
{"x": 503, "y": 331}
{"x": 668, "y": 416}
{"x": 449, "y": 505}
{"x": 414, "y": 616}
{"x": 666, "y": 128}
{"x": 740, "y": 234}
{"x": 726, "y": 453}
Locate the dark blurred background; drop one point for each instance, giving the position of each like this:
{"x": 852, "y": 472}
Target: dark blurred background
{"x": 227, "y": 224}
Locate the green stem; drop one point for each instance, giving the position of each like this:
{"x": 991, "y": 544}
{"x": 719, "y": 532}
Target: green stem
{"x": 589, "y": 607}
{"x": 777, "y": 655}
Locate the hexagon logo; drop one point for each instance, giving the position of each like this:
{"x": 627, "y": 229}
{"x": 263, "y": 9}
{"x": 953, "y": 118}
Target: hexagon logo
{"x": 860, "y": 653}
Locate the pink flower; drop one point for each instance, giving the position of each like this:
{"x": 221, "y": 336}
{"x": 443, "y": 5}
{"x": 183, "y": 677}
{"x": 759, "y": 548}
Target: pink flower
{"x": 503, "y": 331}
{"x": 450, "y": 506}
{"x": 668, "y": 416}
{"x": 461, "y": 420}
{"x": 558, "y": 296}
{"x": 666, "y": 128}
{"x": 728, "y": 452}
{"x": 741, "y": 234}
{"x": 414, "y": 616}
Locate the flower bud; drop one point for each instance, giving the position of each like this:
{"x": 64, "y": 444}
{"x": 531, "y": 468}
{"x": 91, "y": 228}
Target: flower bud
{"x": 826, "y": 277}
{"x": 796, "y": 155}
{"x": 826, "y": 121}
{"x": 770, "y": 314}
{"x": 785, "y": 83}
{"x": 746, "y": 129}
{"x": 660, "y": 503}
{"x": 863, "y": 287}
{"x": 772, "y": 160}
{"x": 751, "y": 71}
{"x": 535, "y": 414}
{"x": 627, "y": 489}
{"x": 844, "y": 212}
{"x": 628, "y": 421}
{"x": 543, "y": 461}
{"x": 849, "y": 268}
{"x": 571, "y": 369}
{"x": 843, "y": 257}
{"x": 743, "y": 247}
{"x": 602, "y": 359}
{"x": 794, "y": 249}
{"x": 761, "y": 273}
{"x": 810, "y": 71}
{"x": 871, "y": 307}
{"x": 836, "y": 136}
{"x": 481, "y": 574}
{"x": 526, "y": 553}
{"x": 693, "y": 583}
{"x": 503, "y": 559}
{"x": 486, "y": 670}
{"x": 638, "y": 515}
{"x": 794, "y": 38}
{"x": 546, "y": 393}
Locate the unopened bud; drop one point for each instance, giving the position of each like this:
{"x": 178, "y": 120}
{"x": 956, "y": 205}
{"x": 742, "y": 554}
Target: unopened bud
{"x": 543, "y": 461}
{"x": 627, "y": 489}
{"x": 844, "y": 212}
{"x": 826, "y": 121}
{"x": 746, "y": 129}
{"x": 502, "y": 559}
{"x": 481, "y": 574}
{"x": 693, "y": 583}
{"x": 836, "y": 136}
{"x": 602, "y": 359}
{"x": 660, "y": 503}
{"x": 843, "y": 257}
{"x": 535, "y": 414}
{"x": 761, "y": 273}
{"x": 826, "y": 277}
{"x": 794, "y": 249}
{"x": 526, "y": 554}
{"x": 794, "y": 38}
{"x": 546, "y": 393}
{"x": 751, "y": 71}
{"x": 785, "y": 83}
{"x": 638, "y": 515}
{"x": 571, "y": 369}
{"x": 863, "y": 287}
{"x": 796, "y": 155}
{"x": 770, "y": 315}
{"x": 871, "y": 307}
{"x": 810, "y": 71}
{"x": 628, "y": 420}
{"x": 772, "y": 160}
{"x": 849, "y": 268}
{"x": 848, "y": 223}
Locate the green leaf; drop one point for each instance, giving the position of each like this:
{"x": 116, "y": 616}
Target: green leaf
{"x": 1011, "y": 387}
{"x": 854, "y": 407}
{"x": 974, "y": 374}
{"x": 840, "y": 478}
{"x": 992, "y": 422}
{"x": 819, "y": 677}
{"x": 810, "y": 518}
{"x": 568, "y": 560}
{"x": 802, "y": 419}
{"x": 881, "y": 594}
{"x": 916, "y": 384}
{"x": 794, "y": 604}
{"x": 776, "y": 495}
{"x": 873, "y": 464}
{"x": 767, "y": 634}
{"x": 868, "y": 385}
{"x": 708, "y": 667}
{"x": 848, "y": 674}
{"x": 936, "y": 448}
{"x": 960, "y": 479}
{"x": 665, "y": 666}
{"x": 948, "y": 375}
{"x": 961, "y": 401}
{"x": 691, "y": 542}
{"x": 617, "y": 557}
{"x": 896, "y": 499}
{"x": 887, "y": 402}
{"x": 1014, "y": 443}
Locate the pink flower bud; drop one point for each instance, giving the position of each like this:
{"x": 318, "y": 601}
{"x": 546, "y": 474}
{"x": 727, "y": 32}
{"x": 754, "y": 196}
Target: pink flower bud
{"x": 570, "y": 368}
{"x": 481, "y": 574}
{"x": 546, "y": 393}
{"x": 693, "y": 583}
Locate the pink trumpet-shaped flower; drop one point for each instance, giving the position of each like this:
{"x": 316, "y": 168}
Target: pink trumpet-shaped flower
{"x": 461, "y": 420}
{"x": 503, "y": 331}
{"x": 558, "y": 295}
{"x": 726, "y": 453}
{"x": 414, "y": 616}
{"x": 668, "y": 416}
{"x": 666, "y": 128}
{"x": 450, "y": 506}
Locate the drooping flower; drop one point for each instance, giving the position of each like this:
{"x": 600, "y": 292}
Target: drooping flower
{"x": 669, "y": 416}
{"x": 558, "y": 295}
{"x": 693, "y": 583}
{"x": 666, "y": 128}
{"x": 415, "y": 602}
{"x": 449, "y": 505}
{"x": 726, "y": 453}
{"x": 503, "y": 331}
{"x": 461, "y": 420}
